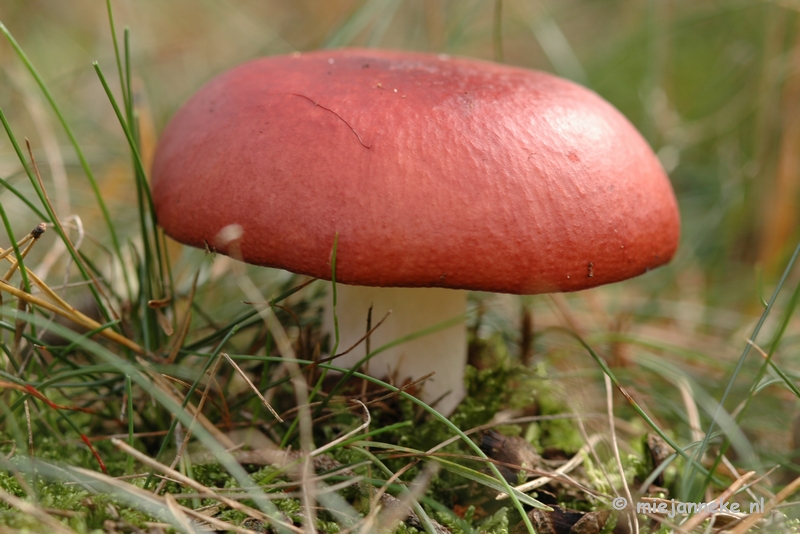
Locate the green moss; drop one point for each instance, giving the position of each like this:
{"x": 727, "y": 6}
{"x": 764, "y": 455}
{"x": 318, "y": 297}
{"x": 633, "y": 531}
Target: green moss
{"x": 212, "y": 475}
{"x": 449, "y": 522}
{"x": 497, "y": 523}
{"x": 232, "y": 516}
{"x": 90, "y": 511}
{"x": 402, "y": 528}
{"x": 610, "y": 525}
{"x": 10, "y": 484}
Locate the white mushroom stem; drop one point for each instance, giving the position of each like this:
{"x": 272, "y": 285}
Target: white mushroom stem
{"x": 443, "y": 352}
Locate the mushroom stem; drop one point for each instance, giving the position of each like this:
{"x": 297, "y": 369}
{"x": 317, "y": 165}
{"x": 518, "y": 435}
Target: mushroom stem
{"x": 443, "y": 352}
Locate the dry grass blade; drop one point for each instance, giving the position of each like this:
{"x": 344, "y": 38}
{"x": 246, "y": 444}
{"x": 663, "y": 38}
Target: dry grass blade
{"x": 231, "y": 234}
{"x": 253, "y": 387}
{"x": 692, "y": 413}
{"x": 694, "y": 521}
{"x": 758, "y": 349}
{"x": 186, "y": 325}
{"x": 353, "y": 432}
{"x": 57, "y": 221}
{"x": 65, "y": 310}
{"x": 167, "y": 389}
{"x": 615, "y": 448}
{"x": 282, "y": 496}
{"x": 211, "y": 374}
{"x": 30, "y": 239}
{"x": 32, "y": 235}
{"x": 175, "y": 509}
{"x": 380, "y": 519}
{"x": 177, "y": 476}
{"x": 574, "y": 462}
{"x": 58, "y": 305}
{"x": 782, "y": 495}
{"x": 34, "y": 511}
{"x": 135, "y": 494}
{"x": 30, "y": 429}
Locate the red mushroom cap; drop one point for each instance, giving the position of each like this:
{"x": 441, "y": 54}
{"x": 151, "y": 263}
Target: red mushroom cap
{"x": 434, "y": 171}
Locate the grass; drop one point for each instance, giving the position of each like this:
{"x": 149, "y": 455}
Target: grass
{"x": 174, "y": 406}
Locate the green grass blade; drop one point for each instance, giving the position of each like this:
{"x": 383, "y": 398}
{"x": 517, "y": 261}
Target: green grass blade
{"x": 358, "y": 20}
{"x": 460, "y": 470}
{"x": 23, "y": 198}
{"x": 497, "y": 31}
{"x": 290, "y": 433}
{"x": 78, "y": 151}
{"x": 427, "y": 524}
{"x": 211, "y": 358}
{"x": 399, "y": 341}
{"x": 148, "y": 276}
{"x": 632, "y": 402}
{"x": 141, "y": 380}
{"x": 243, "y": 321}
{"x": 697, "y": 493}
{"x": 125, "y": 94}
{"x": 17, "y": 253}
{"x": 439, "y": 417}
{"x": 51, "y": 216}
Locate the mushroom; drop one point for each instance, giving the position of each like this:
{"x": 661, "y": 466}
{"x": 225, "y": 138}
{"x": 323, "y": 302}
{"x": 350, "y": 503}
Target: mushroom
{"x": 436, "y": 173}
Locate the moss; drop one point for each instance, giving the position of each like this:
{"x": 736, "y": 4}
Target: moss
{"x": 232, "y": 516}
{"x": 90, "y": 511}
{"x": 449, "y": 522}
{"x": 497, "y": 523}
{"x": 212, "y": 475}
{"x": 610, "y": 525}
{"x": 402, "y": 528}
{"x": 10, "y": 484}
{"x": 606, "y": 482}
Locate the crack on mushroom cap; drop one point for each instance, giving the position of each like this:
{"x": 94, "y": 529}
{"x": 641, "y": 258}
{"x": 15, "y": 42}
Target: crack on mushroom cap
{"x": 503, "y": 178}
{"x": 358, "y": 136}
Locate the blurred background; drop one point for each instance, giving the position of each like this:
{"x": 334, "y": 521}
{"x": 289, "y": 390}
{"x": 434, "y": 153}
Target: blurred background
{"x": 714, "y": 86}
